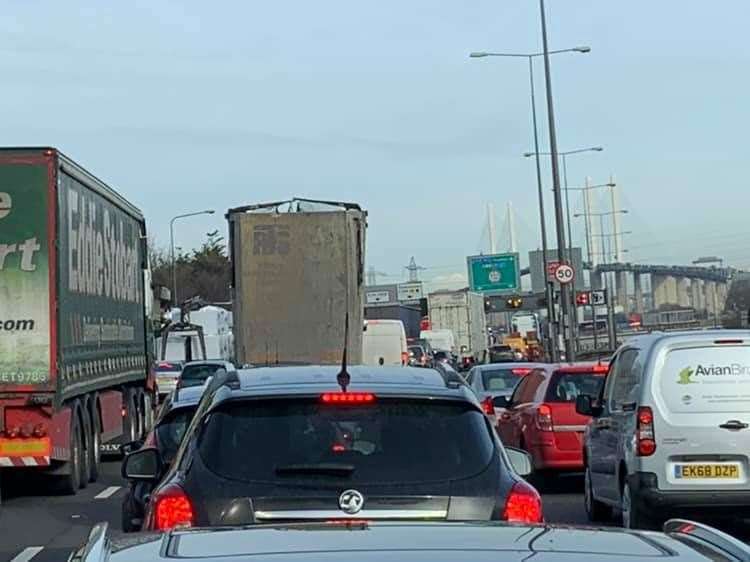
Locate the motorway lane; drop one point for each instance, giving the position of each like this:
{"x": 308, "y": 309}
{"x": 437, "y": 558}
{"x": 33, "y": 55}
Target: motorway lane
{"x": 57, "y": 524}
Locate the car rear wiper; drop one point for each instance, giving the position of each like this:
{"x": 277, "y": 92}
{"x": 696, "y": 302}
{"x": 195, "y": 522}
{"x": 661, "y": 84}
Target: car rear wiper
{"x": 323, "y": 469}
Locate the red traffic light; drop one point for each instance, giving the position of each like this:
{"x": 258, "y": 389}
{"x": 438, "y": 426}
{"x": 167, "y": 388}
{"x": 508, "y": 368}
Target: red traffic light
{"x": 583, "y": 298}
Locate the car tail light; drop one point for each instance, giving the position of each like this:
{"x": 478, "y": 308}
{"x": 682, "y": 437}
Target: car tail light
{"x": 172, "y": 508}
{"x": 347, "y": 398}
{"x": 544, "y": 418}
{"x": 404, "y": 358}
{"x": 488, "y": 407}
{"x": 521, "y": 371}
{"x": 645, "y": 432}
{"x": 524, "y": 505}
{"x": 600, "y": 368}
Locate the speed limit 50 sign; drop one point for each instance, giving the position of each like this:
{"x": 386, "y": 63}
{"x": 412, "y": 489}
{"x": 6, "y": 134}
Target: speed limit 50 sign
{"x": 564, "y": 274}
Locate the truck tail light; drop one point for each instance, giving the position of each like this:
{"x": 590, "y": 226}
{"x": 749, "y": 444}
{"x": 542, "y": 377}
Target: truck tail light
{"x": 645, "y": 437}
{"x": 26, "y": 430}
{"x": 523, "y": 505}
{"x": 40, "y": 430}
{"x": 544, "y": 418}
{"x": 404, "y": 357}
{"x": 12, "y": 431}
{"x": 173, "y": 508}
{"x": 488, "y": 407}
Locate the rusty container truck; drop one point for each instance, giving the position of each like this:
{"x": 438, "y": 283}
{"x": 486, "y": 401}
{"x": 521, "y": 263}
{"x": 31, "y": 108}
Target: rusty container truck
{"x": 297, "y": 275}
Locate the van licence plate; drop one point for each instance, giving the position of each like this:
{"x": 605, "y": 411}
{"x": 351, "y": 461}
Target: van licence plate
{"x": 718, "y": 471}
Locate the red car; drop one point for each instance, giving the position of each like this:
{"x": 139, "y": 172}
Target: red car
{"x": 541, "y": 415}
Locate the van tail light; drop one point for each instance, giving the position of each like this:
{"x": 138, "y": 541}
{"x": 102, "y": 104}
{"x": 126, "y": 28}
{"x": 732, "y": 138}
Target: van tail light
{"x": 544, "y": 418}
{"x": 172, "y": 508}
{"x": 404, "y": 357}
{"x": 488, "y": 407}
{"x": 523, "y": 505}
{"x": 645, "y": 437}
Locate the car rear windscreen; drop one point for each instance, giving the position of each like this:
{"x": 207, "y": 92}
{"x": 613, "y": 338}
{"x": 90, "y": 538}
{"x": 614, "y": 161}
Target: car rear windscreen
{"x": 196, "y": 375}
{"x": 500, "y": 379}
{"x": 566, "y": 387}
{"x": 417, "y": 351}
{"x": 171, "y": 429}
{"x": 706, "y": 380}
{"x": 387, "y": 441}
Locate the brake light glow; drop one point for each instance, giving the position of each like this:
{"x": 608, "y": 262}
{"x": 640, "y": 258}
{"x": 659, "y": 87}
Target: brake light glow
{"x": 524, "y": 505}
{"x": 600, "y": 368}
{"x": 645, "y": 438}
{"x": 338, "y": 448}
{"x": 347, "y": 398}
{"x": 404, "y": 357}
{"x": 521, "y": 371}
{"x": 488, "y": 407}
{"x": 172, "y": 508}
{"x": 544, "y": 418}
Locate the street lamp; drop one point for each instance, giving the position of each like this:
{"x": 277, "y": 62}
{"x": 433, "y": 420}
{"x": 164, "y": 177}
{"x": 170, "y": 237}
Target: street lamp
{"x": 565, "y": 182}
{"x": 540, "y": 191}
{"x": 171, "y": 245}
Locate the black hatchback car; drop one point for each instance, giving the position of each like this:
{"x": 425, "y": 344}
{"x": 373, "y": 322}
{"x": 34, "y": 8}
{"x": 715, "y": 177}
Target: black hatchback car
{"x": 285, "y": 444}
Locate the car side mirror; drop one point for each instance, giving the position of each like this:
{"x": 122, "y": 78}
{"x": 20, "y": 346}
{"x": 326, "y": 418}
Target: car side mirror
{"x": 501, "y": 402}
{"x": 130, "y": 446}
{"x": 586, "y": 406}
{"x": 520, "y": 461}
{"x": 144, "y": 464}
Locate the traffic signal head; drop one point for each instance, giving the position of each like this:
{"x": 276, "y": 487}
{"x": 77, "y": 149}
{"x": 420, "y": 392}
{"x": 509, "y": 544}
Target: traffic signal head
{"x": 514, "y": 302}
{"x": 583, "y": 298}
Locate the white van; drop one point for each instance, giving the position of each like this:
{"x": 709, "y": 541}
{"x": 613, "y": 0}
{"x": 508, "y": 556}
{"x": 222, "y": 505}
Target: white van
{"x": 384, "y": 343}
{"x": 671, "y": 429}
{"x": 440, "y": 340}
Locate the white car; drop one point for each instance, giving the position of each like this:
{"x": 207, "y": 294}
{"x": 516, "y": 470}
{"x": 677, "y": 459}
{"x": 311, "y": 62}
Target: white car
{"x": 167, "y": 375}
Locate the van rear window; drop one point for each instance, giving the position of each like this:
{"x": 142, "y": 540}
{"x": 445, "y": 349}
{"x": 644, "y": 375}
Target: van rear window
{"x": 707, "y": 380}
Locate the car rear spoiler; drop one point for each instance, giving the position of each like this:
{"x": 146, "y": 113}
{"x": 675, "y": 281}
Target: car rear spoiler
{"x": 685, "y": 531}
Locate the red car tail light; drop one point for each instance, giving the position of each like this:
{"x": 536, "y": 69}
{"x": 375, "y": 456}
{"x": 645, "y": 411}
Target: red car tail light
{"x": 172, "y": 508}
{"x": 644, "y": 432}
{"x": 488, "y": 407}
{"x": 524, "y": 505}
{"x": 521, "y": 371}
{"x": 544, "y": 418}
{"x": 347, "y": 398}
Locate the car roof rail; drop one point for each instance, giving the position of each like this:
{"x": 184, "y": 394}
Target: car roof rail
{"x": 97, "y": 547}
{"x": 719, "y": 540}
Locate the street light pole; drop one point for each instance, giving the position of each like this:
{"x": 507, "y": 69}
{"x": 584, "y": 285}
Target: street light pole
{"x": 549, "y": 288}
{"x": 171, "y": 246}
{"x": 564, "y": 289}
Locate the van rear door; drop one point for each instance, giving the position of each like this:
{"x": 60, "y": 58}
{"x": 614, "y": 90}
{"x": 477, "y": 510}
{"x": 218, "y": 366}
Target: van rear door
{"x": 701, "y": 389}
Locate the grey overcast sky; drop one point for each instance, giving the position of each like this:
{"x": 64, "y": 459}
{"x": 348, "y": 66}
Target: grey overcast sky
{"x": 190, "y": 105}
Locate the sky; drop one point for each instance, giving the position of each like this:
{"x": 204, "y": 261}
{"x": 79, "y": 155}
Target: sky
{"x": 184, "y": 106}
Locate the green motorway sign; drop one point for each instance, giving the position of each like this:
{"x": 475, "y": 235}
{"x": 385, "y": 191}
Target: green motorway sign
{"x": 496, "y": 273}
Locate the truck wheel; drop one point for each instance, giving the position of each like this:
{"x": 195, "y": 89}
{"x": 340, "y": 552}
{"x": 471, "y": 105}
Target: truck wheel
{"x": 130, "y": 423}
{"x": 71, "y": 482}
{"x": 86, "y": 439}
{"x": 95, "y": 454}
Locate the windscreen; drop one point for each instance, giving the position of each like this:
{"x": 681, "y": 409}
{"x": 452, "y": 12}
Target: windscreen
{"x": 566, "y": 387}
{"x": 499, "y": 379}
{"x": 196, "y": 375}
{"x": 387, "y": 441}
{"x": 171, "y": 429}
{"x": 706, "y": 380}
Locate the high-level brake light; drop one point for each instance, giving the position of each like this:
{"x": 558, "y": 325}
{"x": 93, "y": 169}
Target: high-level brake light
{"x": 521, "y": 371}
{"x": 347, "y": 398}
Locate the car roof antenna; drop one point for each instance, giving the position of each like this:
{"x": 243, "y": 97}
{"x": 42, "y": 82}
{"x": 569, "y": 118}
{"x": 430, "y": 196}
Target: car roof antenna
{"x": 344, "y": 378}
